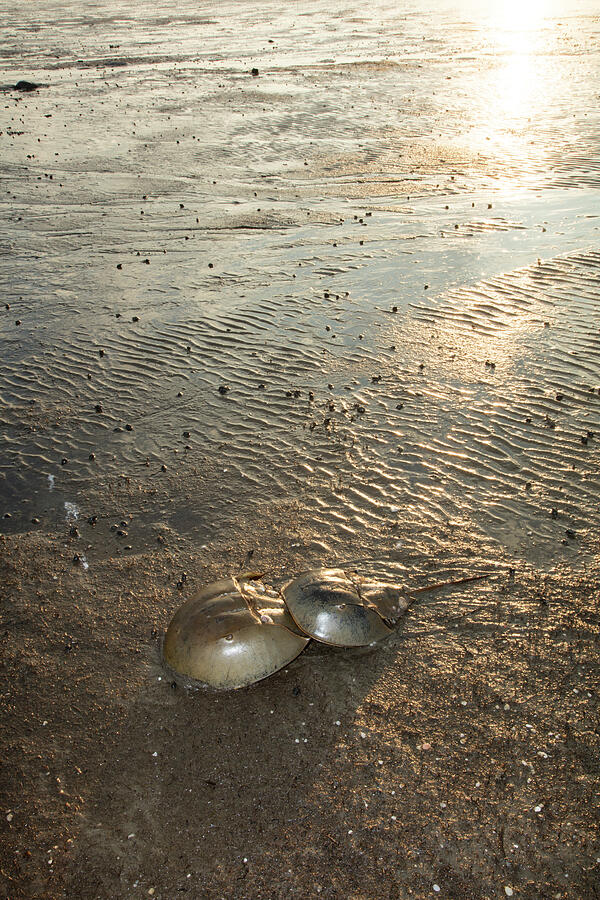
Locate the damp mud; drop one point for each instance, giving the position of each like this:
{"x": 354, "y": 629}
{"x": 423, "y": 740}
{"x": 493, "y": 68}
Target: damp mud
{"x": 282, "y": 289}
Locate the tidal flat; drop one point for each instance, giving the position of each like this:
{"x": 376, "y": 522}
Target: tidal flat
{"x": 302, "y": 285}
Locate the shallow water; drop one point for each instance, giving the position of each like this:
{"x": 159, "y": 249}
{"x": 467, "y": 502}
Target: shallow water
{"x": 385, "y": 246}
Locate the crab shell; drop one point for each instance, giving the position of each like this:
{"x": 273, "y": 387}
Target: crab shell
{"x": 232, "y": 634}
{"x": 343, "y": 609}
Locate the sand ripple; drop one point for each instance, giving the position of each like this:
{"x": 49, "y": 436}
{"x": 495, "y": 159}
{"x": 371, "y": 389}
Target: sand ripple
{"x": 483, "y": 413}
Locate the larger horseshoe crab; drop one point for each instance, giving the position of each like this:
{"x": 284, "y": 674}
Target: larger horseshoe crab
{"x": 233, "y": 633}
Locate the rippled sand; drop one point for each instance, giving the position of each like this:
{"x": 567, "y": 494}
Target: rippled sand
{"x": 345, "y": 309}
{"x": 176, "y": 225}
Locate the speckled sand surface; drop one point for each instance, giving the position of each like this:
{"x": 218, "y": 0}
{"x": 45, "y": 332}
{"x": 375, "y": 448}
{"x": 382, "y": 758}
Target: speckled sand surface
{"x": 341, "y": 311}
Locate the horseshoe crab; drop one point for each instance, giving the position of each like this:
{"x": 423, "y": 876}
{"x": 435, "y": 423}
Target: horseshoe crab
{"x": 238, "y": 630}
{"x": 233, "y": 633}
{"x": 343, "y": 609}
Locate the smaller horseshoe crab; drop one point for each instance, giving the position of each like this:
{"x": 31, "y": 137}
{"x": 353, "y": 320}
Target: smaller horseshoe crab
{"x": 343, "y": 609}
{"x": 233, "y": 633}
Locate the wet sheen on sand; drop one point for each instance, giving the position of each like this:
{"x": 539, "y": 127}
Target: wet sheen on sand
{"x": 351, "y": 280}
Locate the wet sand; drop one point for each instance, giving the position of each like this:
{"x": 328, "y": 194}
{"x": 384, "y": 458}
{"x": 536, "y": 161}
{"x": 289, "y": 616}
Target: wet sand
{"x": 342, "y": 311}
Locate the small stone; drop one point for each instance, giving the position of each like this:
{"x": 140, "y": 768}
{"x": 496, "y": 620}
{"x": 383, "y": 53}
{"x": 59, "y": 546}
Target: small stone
{"x": 223, "y": 389}
{"x": 254, "y": 73}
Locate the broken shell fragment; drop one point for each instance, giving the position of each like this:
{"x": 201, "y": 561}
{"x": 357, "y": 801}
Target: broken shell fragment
{"x": 343, "y": 609}
{"x": 232, "y": 634}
